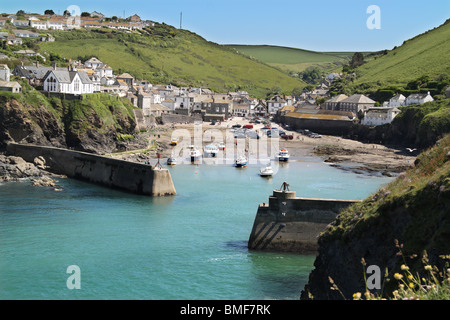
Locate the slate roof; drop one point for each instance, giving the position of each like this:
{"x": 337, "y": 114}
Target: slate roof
{"x": 357, "y": 98}
{"x": 66, "y": 76}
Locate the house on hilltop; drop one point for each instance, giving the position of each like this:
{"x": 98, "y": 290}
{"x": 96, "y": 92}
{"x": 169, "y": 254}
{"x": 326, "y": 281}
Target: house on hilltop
{"x": 134, "y": 18}
{"x": 67, "y": 81}
{"x": 418, "y": 98}
{"x": 397, "y": 101}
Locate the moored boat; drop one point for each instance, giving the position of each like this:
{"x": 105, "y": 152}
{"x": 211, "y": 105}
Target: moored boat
{"x": 266, "y": 172}
{"x": 194, "y": 153}
{"x": 211, "y": 151}
{"x": 172, "y": 161}
{"x": 241, "y": 162}
{"x": 283, "y": 155}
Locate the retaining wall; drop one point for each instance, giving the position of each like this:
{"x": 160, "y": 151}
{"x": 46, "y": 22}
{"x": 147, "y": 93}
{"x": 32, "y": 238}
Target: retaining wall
{"x": 128, "y": 176}
{"x": 291, "y": 224}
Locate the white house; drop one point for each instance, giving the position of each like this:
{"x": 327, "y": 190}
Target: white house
{"x": 378, "y": 116}
{"x": 5, "y": 72}
{"x": 65, "y": 81}
{"x": 418, "y": 98}
{"x": 397, "y": 101}
{"x": 38, "y": 24}
{"x": 56, "y": 24}
{"x": 93, "y": 63}
{"x": 11, "y": 86}
{"x": 275, "y": 104}
{"x": 260, "y": 109}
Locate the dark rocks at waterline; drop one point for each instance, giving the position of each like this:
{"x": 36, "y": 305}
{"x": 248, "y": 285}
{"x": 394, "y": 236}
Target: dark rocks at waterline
{"x": 15, "y": 168}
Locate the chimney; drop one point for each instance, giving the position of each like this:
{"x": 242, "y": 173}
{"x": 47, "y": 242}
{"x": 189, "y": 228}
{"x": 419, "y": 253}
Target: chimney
{"x": 54, "y": 65}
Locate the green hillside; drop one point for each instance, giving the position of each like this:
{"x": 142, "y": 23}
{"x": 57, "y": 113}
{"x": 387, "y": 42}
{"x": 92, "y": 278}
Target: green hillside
{"x": 426, "y": 54}
{"x": 164, "y": 54}
{"x": 295, "y": 60}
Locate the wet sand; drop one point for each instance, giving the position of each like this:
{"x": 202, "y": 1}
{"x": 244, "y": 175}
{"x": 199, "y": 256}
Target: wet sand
{"x": 343, "y": 153}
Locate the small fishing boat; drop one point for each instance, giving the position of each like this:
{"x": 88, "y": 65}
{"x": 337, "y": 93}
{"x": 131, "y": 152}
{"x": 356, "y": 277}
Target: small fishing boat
{"x": 172, "y": 161}
{"x": 174, "y": 142}
{"x": 211, "y": 151}
{"x": 266, "y": 172}
{"x": 194, "y": 153}
{"x": 283, "y": 155}
{"x": 241, "y": 162}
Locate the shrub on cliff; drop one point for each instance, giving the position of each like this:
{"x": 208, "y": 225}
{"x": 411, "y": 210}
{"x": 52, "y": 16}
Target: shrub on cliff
{"x": 413, "y": 209}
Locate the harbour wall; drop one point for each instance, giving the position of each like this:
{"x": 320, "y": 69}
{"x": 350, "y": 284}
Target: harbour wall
{"x": 117, "y": 174}
{"x": 330, "y": 127}
{"x": 291, "y": 224}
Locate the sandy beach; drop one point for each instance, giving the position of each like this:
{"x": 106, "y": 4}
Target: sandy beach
{"x": 343, "y": 153}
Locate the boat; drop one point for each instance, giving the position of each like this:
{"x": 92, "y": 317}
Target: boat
{"x": 283, "y": 155}
{"x": 266, "y": 172}
{"x": 172, "y": 161}
{"x": 174, "y": 142}
{"x": 194, "y": 153}
{"x": 241, "y": 162}
{"x": 221, "y": 146}
{"x": 211, "y": 151}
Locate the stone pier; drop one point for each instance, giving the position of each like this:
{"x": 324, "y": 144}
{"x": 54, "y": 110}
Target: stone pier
{"x": 292, "y": 224}
{"x": 117, "y": 174}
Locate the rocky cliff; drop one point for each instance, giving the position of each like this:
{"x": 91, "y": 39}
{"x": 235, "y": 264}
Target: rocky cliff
{"x": 412, "y": 212}
{"x": 91, "y": 123}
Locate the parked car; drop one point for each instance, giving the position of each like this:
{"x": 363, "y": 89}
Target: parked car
{"x": 248, "y": 126}
{"x": 236, "y": 126}
{"x": 213, "y": 122}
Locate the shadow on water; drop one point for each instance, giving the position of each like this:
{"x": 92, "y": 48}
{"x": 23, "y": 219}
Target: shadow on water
{"x": 239, "y": 245}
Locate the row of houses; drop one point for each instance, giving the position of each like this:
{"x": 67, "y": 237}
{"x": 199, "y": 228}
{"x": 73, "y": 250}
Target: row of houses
{"x": 59, "y": 22}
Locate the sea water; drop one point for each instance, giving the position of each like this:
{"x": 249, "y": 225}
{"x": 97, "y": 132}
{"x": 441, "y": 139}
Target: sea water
{"x": 190, "y": 246}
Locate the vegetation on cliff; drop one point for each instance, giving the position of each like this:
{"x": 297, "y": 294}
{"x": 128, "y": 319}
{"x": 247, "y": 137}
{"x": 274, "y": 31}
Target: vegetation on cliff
{"x": 91, "y": 123}
{"x": 416, "y": 126}
{"x": 419, "y": 65}
{"x": 412, "y": 213}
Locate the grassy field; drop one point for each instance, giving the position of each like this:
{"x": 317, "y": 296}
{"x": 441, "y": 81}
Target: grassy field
{"x": 173, "y": 56}
{"x": 295, "y": 60}
{"x": 426, "y": 54}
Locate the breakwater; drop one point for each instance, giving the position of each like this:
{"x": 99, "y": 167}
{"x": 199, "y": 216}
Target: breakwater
{"x": 128, "y": 176}
{"x": 292, "y": 224}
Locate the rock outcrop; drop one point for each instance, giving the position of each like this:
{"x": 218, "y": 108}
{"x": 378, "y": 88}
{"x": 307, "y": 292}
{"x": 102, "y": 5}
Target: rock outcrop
{"x": 411, "y": 214}
{"x": 14, "y": 168}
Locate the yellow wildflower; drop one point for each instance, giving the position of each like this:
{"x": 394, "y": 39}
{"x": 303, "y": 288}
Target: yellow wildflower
{"x": 357, "y": 296}
{"x": 411, "y": 285}
{"x": 410, "y": 277}
{"x": 398, "y": 276}
{"x": 428, "y": 267}
{"x": 404, "y": 267}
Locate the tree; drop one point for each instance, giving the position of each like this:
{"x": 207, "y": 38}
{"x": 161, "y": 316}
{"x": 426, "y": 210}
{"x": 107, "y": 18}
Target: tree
{"x": 357, "y": 60}
{"x": 20, "y": 13}
{"x": 49, "y": 11}
{"x": 67, "y": 13}
{"x": 85, "y": 14}
{"x": 311, "y": 75}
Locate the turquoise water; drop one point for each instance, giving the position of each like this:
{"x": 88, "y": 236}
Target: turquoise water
{"x": 191, "y": 246}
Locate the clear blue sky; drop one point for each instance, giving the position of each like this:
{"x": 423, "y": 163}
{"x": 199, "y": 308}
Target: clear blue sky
{"x": 326, "y": 25}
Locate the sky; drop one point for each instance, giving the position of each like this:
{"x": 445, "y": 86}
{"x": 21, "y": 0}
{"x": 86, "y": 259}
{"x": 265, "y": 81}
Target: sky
{"x": 326, "y": 25}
